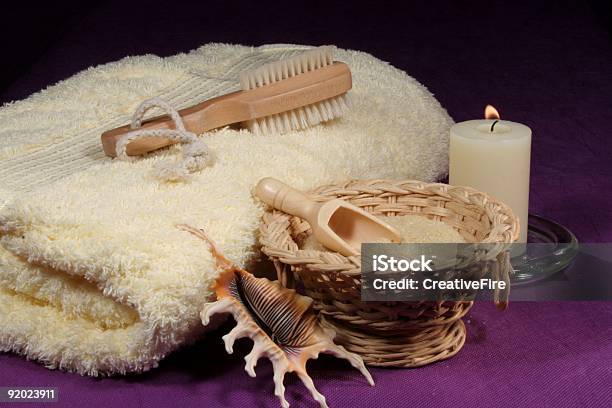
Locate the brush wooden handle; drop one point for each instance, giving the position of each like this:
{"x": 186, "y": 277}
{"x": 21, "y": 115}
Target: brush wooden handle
{"x": 279, "y": 195}
{"x": 207, "y": 115}
{"x": 282, "y": 96}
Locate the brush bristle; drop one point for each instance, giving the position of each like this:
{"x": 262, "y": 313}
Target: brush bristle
{"x": 277, "y": 71}
{"x": 301, "y": 118}
{"x": 305, "y": 116}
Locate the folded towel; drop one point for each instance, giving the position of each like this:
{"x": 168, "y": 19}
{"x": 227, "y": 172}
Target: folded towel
{"x": 94, "y": 276}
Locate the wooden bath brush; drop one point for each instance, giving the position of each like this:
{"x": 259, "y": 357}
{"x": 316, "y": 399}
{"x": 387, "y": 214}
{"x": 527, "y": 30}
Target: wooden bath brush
{"x": 280, "y": 322}
{"x": 336, "y": 224}
{"x": 294, "y": 93}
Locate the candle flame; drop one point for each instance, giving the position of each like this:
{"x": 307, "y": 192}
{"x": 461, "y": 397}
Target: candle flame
{"x": 491, "y": 112}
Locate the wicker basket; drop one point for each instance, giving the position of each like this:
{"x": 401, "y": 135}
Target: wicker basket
{"x": 398, "y": 334}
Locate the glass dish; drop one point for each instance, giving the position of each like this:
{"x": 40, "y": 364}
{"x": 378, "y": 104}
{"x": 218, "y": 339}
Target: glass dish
{"x": 555, "y": 248}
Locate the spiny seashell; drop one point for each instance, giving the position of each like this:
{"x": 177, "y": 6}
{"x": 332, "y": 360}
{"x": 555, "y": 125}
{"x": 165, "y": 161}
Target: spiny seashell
{"x": 280, "y": 322}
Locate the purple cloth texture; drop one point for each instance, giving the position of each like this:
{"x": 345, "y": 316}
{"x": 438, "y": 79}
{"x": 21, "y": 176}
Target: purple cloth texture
{"x": 546, "y": 64}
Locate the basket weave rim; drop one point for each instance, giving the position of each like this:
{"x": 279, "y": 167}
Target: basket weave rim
{"x": 279, "y": 243}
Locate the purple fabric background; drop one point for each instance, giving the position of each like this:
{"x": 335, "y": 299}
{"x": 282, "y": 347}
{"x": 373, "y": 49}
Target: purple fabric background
{"x": 548, "y": 65}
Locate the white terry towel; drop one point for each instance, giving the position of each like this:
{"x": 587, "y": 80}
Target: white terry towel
{"x": 94, "y": 276}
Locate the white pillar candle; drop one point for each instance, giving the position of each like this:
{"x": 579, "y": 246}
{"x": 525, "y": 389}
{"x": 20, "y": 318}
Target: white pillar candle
{"x": 493, "y": 156}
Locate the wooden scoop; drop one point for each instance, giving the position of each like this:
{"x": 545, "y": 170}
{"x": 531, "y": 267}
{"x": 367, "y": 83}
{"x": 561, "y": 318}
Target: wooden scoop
{"x": 336, "y": 224}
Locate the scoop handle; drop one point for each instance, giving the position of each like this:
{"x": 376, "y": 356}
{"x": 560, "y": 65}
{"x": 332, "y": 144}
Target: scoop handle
{"x": 285, "y": 198}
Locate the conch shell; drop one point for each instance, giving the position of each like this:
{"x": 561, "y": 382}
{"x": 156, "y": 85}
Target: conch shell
{"x": 280, "y": 322}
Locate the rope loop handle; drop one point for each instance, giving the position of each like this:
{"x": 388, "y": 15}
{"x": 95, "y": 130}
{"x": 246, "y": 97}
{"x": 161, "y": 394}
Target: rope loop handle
{"x": 196, "y": 154}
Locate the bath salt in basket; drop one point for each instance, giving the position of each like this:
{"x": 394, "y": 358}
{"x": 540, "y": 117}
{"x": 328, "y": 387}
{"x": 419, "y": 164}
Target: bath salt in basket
{"x": 394, "y": 334}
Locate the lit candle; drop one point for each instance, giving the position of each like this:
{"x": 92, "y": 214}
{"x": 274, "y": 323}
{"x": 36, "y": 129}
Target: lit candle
{"x": 493, "y": 156}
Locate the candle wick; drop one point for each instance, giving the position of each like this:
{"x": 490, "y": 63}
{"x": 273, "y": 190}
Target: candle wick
{"x": 493, "y": 125}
